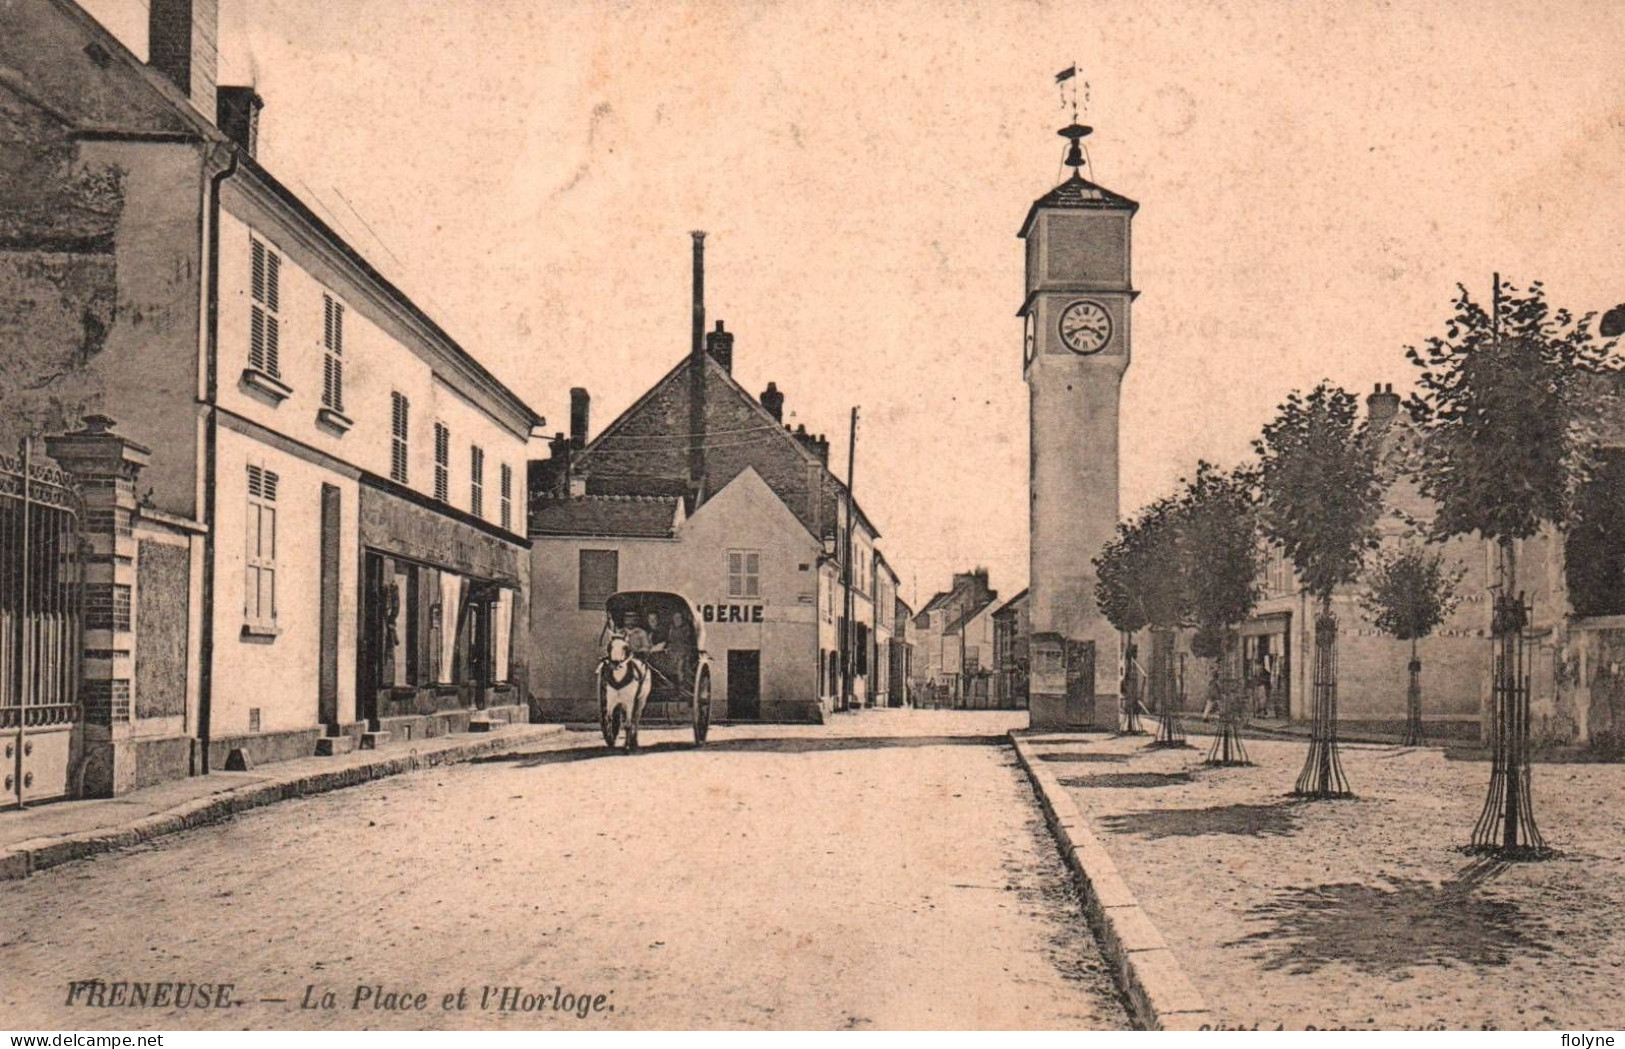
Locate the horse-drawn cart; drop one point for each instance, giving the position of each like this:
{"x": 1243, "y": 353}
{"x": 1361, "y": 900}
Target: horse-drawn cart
{"x": 654, "y": 656}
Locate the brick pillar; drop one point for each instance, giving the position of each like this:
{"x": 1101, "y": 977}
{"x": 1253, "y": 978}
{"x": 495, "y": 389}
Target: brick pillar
{"x": 107, "y": 467}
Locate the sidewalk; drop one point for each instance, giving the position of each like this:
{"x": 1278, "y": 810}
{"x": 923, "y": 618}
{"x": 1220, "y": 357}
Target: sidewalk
{"x": 35, "y": 839}
{"x": 1360, "y": 913}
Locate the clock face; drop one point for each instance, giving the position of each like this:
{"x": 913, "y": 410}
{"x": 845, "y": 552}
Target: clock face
{"x": 1086, "y": 327}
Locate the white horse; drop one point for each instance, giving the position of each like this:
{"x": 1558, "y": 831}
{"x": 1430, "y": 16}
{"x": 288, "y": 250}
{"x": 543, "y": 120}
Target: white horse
{"x": 624, "y": 684}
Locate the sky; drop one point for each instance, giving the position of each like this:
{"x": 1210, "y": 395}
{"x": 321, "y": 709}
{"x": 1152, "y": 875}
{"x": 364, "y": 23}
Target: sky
{"x": 1314, "y": 180}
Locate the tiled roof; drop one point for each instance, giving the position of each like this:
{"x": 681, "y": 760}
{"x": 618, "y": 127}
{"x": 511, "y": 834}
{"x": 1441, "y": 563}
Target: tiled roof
{"x": 970, "y": 613}
{"x": 1078, "y": 192}
{"x": 625, "y": 516}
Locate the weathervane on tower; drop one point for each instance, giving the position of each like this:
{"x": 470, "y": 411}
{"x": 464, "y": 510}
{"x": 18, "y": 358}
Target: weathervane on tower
{"x": 1074, "y": 132}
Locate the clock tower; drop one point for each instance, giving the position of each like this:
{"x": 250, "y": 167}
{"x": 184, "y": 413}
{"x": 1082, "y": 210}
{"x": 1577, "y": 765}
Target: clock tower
{"x": 1079, "y": 292}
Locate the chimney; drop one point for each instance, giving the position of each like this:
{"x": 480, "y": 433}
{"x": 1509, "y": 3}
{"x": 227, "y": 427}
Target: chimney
{"x": 696, "y": 381}
{"x": 720, "y": 345}
{"x": 181, "y": 37}
{"x": 580, "y": 402}
{"x": 1381, "y": 405}
{"x": 239, "y": 116}
{"x": 773, "y": 401}
{"x": 696, "y": 346}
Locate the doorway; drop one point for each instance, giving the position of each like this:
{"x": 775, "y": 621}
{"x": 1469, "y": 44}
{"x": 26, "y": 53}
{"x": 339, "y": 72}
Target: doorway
{"x": 744, "y": 684}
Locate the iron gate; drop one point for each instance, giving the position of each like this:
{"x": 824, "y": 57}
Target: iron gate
{"x": 40, "y": 628}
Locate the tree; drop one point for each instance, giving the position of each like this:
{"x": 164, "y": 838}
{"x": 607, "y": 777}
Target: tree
{"x": 1322, "y": 486}
{"x": 1218, "y": 541}
{"x": 1409, "y": 592}
{"x": 1140, "y": 583}
{"x": 1504, "y": 446}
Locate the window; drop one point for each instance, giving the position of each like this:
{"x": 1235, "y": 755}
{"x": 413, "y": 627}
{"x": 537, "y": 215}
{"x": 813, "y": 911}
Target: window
{"x": 442, "y": 462}
{"x": 744, "y": 573}
{"x": 600, "y": 576}
{"x": 333, "y": 357}
{"x": 476, "y": 481}
{"x": 507, "y": 496}
{"x": 264, "y": 323}
{"x": 400, "y": 418}
{"x": 259, "y": 589}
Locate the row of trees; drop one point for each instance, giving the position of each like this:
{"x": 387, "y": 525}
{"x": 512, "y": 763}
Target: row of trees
{"x": 1499, "y": 443}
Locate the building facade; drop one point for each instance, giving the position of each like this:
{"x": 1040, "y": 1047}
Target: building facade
{"x": 351, "y": 478}
{"x": 691, "y": 437}
{"x": 746, "y": 564}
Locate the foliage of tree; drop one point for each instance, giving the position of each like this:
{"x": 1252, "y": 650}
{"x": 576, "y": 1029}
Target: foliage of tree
{"x": 1500, "y": 408}
{"x": 1321, "y": 487}
{"x": 1218, "y": 515}
{"x": 1141, "y": 577}
{"x": 1410, "y": 591}
{"x": 1595, "y": 554}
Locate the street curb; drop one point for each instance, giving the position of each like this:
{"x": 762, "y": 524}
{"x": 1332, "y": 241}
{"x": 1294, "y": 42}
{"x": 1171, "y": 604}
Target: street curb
{"x": 38, "y": 854}
{"x": 1160, "y": 995}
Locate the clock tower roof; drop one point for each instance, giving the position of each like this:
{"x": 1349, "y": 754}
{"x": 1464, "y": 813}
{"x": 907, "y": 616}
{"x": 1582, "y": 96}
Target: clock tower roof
{"x": 1078, "y": 193}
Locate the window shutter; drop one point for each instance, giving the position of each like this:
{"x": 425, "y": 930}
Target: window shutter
{"x": 256, "y": 339}
{"x": 273, "y": 272}
{"x": 400, "y": 412}
{"x": 442, "y": 462}
{"x": 257, "y": 266}
{"x": 271, "y": 360}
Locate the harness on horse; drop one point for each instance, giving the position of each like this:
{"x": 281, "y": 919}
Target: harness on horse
{"x": 619, "y": 676}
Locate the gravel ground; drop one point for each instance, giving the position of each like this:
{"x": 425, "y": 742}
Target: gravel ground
{"x": 888, "y": 870}
{"x": 1362, "y": 913}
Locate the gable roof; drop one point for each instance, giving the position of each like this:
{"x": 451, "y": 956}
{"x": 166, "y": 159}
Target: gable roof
{"x": 1009, "y": 607}
{"x": 607, "y": 516}
{"x": 971, "y": 612}
{"x": 769, "y": 425}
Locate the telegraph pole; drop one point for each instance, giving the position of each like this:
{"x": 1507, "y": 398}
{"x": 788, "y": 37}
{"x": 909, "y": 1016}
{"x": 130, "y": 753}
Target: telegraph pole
{"x": 847, "y": 630}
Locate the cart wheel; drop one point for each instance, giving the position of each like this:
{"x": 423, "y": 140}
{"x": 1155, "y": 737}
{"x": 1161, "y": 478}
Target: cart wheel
{"x": 702, "y": 705}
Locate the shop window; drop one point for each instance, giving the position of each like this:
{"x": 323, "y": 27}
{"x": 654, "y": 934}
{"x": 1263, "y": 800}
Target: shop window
{"x": 333, "y": 354}
{"x": 259, "y": 584}
{"x": 399, "y": 424}
{"x": 476, "y": 481}
{"x": 264, "y": 321}
{"x": 442, "y": 462}
{"x": 744, "y": 573}
{"x": 600, "y": 577}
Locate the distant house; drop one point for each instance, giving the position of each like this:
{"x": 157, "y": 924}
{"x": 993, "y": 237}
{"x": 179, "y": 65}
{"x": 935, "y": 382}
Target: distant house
{"x": 690, "y": 438}
{"x": 1011, "y": 663}
{"x": 953, "y": 641}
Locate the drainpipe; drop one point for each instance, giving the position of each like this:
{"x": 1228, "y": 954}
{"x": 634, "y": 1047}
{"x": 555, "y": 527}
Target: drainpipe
{"x": 205, "y": 692}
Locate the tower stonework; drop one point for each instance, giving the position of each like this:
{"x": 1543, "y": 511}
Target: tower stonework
{"x": 1076, "y": 319}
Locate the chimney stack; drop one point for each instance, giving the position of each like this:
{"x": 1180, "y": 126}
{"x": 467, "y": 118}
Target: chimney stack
{"x": 773, "y": 401}
{"x": 1381, "y": 405}
{"x": 720, "y": 345}
{"x": 580, "y": 403}
{"x": 239, "y": 116}
{"x": 696, "y": 381}
{"x": 696, "y": 346}
{"x": 181, "y": 37}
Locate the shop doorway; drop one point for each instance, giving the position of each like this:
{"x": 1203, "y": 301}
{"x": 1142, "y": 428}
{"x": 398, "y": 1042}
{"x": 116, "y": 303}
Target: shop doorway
{"x": 744, "y": 684}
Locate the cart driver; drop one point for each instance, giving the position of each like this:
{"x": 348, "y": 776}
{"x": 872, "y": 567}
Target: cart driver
{"x": 637, "y": 637}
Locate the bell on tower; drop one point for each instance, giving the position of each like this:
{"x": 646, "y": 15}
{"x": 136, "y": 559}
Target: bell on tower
{"x": 1079, "y": 293}
{"x": 1076, "y": 133}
